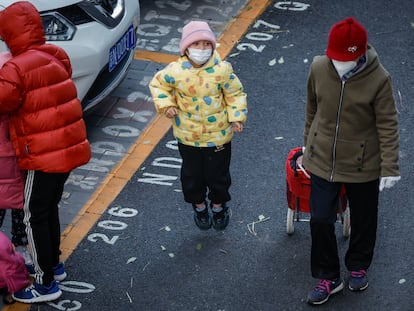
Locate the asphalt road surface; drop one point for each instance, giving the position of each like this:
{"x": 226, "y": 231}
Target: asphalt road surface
{"x": 145, "y": 253}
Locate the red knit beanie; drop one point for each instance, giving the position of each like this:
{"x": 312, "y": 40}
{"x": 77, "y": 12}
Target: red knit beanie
{"x": 196, "y": 31}
{"x": 347, "y": 40}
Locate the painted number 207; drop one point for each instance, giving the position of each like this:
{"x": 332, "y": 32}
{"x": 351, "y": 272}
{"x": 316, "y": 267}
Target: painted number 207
{"x": 258, "y": 36}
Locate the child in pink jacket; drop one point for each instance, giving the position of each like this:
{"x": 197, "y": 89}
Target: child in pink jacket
{"x": 11, "y": 184}
{"x": 13, "y": 272}
{"x": 12, "y": 190}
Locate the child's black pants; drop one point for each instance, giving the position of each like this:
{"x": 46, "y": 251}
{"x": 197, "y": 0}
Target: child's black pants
{"x": 205, "y": 170}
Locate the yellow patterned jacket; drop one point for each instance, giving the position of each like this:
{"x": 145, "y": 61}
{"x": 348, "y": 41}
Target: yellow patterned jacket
{"x": 208, "y": 100}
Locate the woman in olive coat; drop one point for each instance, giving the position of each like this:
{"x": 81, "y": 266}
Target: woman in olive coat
{"x": 351, "y": 139}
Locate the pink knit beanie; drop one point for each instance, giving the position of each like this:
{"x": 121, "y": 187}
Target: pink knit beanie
{"x": 196, "y": 31}
{"x": 347, "y": 40}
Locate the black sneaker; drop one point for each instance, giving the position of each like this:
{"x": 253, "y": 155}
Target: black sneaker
{"x": 221, "y": 218}
{"x": 358, "y": 280}
{"x": 202, "y": 218}
{"x": 325, "y": 288}
{"x": 6, "y": 297}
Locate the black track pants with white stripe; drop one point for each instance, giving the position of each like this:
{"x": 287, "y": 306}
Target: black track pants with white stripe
{"x": 43, "y": 192}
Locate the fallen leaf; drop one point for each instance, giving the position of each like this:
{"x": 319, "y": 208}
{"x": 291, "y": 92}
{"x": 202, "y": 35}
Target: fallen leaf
{"x": 129, "y": 297}
{"x": 132, "y": 259}
{"x": 233, "y": 55}
{"x": 146, "y": 266}
{"x": 166, "y": 228}
{"x": 250, "y": 226}
{"x": 199, "y": 246}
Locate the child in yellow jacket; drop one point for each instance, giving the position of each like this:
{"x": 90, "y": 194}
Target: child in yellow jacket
{"x": 207, "y": 104}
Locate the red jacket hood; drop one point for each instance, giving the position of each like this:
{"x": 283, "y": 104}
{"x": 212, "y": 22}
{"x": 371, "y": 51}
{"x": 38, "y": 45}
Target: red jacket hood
{"x": 21, "y": 27}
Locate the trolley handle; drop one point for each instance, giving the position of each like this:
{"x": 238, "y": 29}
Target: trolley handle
{"x": 295, "y": 166}
{"x": 303, "y": 170}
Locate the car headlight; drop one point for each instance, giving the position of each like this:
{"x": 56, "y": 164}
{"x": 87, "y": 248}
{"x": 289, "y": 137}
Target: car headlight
{"x": 113, "y": 8}
{"x": 57, "y": 28}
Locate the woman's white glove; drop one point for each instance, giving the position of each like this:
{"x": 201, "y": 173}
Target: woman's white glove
{"x": 388, "y": 182}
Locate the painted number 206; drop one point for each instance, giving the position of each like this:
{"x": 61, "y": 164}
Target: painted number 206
{"x": 113, "y": 225}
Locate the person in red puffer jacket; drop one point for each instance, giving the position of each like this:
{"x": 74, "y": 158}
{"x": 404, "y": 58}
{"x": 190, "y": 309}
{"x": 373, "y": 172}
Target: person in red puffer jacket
{"x": 48, "y": 134}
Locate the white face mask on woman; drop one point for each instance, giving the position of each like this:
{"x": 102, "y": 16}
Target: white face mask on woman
{"x": 343, "y": 67}
{"x": 199, "y": 56}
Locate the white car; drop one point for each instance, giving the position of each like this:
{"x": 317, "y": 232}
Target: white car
{"x": 99, "y": 37}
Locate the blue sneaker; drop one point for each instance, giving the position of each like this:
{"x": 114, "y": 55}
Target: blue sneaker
{"x": 59, "y": 271}
{"x": 358, "y": 280}
{"x": 38, "y": 293}
{"x": 325, "y": 288}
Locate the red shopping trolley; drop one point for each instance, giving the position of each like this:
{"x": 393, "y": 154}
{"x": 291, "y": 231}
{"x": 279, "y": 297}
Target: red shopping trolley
{"x": 298, "y": 192}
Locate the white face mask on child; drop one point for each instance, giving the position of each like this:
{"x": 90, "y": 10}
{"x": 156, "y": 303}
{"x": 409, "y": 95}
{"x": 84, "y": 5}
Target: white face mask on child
{"x": 199, "y": 56}
{"x": 343, "y": 67}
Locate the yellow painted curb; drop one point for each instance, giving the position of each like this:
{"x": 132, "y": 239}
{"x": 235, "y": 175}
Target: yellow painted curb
{"x": 113, "y": 184}
{"x": 239, "y": 26}
{"x": 155, "y": 57}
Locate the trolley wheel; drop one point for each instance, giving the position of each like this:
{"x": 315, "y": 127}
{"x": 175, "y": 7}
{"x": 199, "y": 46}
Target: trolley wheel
{"x": 289, "y": 221}
{"x": 346, "y": 223}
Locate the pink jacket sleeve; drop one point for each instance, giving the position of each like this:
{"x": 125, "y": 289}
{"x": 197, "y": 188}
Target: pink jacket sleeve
{"x": 13, "y": 272}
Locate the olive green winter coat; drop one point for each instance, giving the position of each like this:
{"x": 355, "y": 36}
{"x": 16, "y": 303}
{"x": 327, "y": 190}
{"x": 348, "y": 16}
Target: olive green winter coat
{"x": 351, "y": 127}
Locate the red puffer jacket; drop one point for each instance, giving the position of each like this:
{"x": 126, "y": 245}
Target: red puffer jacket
{"x": 36, "y": 90}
